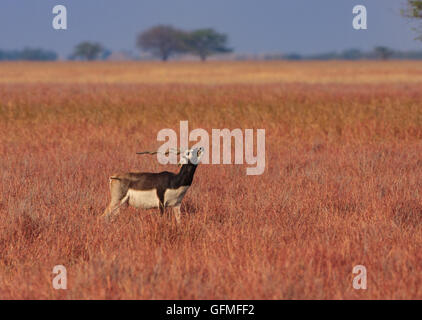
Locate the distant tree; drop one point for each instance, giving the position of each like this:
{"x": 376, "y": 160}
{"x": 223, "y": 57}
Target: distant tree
{"x": 293, "y": 56}
{"x": 37, "y": 55}
{"x": 324, "y": 56}
{"x": 162, "y": 41}
{"x": 87, "y": 51}
{"x": 413, "y": 10}
{"x": 105, "y": 54}
{"x": 28, "y": 54}
{"x": 383, "y": 53}
{"x": 272, "y": 56}
{"x": 352, "y": 54}
{"x": 205, "y": 42}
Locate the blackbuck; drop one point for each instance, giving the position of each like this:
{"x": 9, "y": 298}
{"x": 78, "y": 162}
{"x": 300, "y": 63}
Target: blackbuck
{"x": 149, "y": 190}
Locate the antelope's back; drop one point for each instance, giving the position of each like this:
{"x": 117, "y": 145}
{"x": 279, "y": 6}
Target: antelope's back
{"x": 147, "y": 180}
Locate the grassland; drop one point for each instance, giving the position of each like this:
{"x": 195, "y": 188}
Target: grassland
{"x": 342, "y": 185}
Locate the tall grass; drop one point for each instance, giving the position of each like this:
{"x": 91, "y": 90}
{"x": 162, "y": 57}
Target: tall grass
{"x": 342, "y": 184}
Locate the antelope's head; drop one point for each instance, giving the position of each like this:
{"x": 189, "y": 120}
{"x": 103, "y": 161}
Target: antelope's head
{"x": 192, "y": 156}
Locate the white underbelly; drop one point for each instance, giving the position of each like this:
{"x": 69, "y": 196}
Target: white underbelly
{"x": 173, "y": 197}
{"x": 145, "y": 199}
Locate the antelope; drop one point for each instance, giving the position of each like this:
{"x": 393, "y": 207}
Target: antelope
{"x": 149, "y": 190}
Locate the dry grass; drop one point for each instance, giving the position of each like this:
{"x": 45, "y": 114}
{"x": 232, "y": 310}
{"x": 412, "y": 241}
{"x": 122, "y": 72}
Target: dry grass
{"x": 342, "y": 184}
{"x": 213, "y": 72}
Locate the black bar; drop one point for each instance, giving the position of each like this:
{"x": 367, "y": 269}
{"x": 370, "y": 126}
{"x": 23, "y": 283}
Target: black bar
{"x": 214, "y": 309}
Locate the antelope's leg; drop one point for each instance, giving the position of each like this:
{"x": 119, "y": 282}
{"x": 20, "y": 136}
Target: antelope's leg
{"x": 160, "y": 195}
{"x": 106, "y": 212}
{"x": 161, "y": 207}
{"x": 114, "y": 204}
{"x": 116, "y": 209}
{"x": 118, "y": 197}
{"x": 176, "y": 211}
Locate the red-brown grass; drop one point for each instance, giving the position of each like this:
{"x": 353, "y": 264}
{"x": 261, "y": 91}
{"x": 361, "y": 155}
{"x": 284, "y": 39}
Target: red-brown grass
{"x": 342, "y": 187}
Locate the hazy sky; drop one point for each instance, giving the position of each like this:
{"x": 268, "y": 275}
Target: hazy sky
{"x": 253, "y": 26}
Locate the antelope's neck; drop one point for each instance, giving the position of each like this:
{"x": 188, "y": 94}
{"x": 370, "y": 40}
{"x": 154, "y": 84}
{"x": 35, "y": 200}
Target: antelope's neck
{"x": 185, "y": 175}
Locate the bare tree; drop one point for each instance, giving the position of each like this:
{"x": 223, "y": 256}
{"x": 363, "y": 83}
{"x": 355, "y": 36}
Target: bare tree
{"x": 162, "y": 41}
{"x": 413, "y": 10}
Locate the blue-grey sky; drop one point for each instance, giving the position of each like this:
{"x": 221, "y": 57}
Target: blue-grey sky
{"x": 253, "y": 26}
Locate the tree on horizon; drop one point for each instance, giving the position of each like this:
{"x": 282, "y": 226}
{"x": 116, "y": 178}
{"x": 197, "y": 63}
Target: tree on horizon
{"x": 87, "y": 51}
{"x": 383, "y": 53}
{"x": 205, "y": 42}
{"x": 162, "y": 41}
